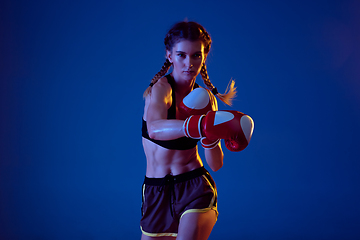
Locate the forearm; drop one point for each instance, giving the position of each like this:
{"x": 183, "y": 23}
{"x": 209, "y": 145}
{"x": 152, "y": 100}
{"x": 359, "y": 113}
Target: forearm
{"x": 166, "y": 129}
{"x": 214, "y": 157}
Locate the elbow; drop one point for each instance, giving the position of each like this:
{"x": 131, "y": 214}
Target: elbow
{"x": 217, "y": 164}
{"x": 216, "y": 168}
{"x": 215, "y": 158}
{"x": 152, "y": 134}
{"x": 152, "y": 131}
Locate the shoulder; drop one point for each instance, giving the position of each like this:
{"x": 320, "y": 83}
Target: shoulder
{"x": 161, "y": 90}
{"x": 162, "y": 83}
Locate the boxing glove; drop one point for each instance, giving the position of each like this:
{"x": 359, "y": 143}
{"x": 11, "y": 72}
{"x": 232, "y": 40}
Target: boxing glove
{"x": 199, "y": 101}
{"x": 234, "y": 127}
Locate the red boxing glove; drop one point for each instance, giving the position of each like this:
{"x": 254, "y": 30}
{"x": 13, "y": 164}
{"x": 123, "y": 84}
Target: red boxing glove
{"x": 209, "y": 144}
{"x": 233, "y": 126}
{"x": 198, "y": 101}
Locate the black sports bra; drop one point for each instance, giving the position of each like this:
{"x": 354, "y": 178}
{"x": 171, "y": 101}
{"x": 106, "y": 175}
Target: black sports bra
{"x": 182, "y": 143}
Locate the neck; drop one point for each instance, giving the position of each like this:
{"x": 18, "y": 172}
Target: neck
{"x": 183, "y": 87}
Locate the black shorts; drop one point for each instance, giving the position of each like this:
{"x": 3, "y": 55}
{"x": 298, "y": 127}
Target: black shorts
{"x": 166, "y": 200}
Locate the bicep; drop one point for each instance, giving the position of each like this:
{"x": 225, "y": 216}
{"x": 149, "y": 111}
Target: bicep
{"x": 159, "y": 102}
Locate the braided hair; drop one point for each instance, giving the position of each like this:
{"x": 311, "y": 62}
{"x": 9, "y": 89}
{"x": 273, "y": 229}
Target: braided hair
{"x": 164, "y": 69}
{"x": 192, "y": 31}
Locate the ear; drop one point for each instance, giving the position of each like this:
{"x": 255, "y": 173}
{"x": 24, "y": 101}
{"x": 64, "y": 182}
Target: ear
{"x": 169, "y": 56}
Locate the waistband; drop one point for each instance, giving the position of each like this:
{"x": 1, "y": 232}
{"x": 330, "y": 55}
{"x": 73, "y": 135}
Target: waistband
{"x": 170, "y": 179}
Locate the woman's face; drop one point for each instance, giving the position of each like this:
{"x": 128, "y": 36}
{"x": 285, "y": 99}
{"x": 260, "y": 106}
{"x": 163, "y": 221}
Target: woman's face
{"x": 187, "y": 58}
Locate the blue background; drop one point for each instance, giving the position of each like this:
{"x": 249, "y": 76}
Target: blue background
{"x": 72, "y": 78}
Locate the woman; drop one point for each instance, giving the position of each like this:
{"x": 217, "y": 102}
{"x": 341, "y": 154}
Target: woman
{"x": 179, "y": 195}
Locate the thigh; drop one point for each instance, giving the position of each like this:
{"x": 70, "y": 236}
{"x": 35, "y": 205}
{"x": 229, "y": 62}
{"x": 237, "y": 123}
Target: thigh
{"x": 196, "y": 225}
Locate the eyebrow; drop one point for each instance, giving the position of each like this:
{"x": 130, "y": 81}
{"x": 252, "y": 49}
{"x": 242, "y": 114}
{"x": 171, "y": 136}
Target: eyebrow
{"x": 185, "y": 52}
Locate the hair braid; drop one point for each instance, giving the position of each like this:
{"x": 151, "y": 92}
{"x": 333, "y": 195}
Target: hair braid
{"x": 226, "y": 97}
{"x": 205, "y": 77}
{"x": 164, "y": 69}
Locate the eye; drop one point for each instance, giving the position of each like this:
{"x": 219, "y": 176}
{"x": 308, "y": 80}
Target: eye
{"x": 181, "y": 55}
{"x": 197, "y": 55}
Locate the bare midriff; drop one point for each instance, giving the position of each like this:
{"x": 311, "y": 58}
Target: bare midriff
{"x": 162, "y": 161}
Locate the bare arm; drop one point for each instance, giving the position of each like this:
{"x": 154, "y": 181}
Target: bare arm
{"x": 159, "y": 127}
{"x": 214, "y": 157}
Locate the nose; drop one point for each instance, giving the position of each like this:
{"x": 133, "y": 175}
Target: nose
{"x": 189, "y": 63}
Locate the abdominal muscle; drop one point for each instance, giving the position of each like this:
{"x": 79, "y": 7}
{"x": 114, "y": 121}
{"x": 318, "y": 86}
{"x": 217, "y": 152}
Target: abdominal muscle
{"x": 162, "y": 161}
